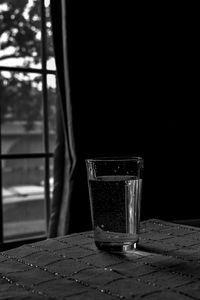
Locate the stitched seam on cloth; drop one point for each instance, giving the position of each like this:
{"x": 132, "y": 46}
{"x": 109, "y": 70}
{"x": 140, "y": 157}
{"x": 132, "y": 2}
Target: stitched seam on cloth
{"x": 147, "y": 282}
{"x": 26, "y": 287}
{"x": 81, "y": 282}
{"x": 162, "y": 223}
{"x": 140, "y": 261}
{"x": 164, "y": 253}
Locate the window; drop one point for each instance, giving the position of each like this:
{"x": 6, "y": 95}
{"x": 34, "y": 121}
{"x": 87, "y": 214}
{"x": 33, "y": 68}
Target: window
{"x": 27, "y": 136}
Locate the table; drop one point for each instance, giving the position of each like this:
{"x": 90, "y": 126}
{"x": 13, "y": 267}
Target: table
{"x": 166, "y": 266}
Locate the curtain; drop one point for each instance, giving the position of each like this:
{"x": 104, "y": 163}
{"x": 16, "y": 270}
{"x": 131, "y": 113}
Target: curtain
{"x": 123, "y": 91}
{"x": 66, "y": 216}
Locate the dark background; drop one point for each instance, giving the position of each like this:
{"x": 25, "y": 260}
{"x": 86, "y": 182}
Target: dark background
{"x": 133, "y": 78}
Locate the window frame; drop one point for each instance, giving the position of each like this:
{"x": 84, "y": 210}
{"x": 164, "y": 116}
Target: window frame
{"x": 46, "y": 154}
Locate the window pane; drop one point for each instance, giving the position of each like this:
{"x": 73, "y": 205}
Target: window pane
{"x": 22, "y": 116}
{"x": 52, "y": 99}
{"x": 20, "y": 34}
{"x": 21, "y": 113}
{"x": 23, "y": 198}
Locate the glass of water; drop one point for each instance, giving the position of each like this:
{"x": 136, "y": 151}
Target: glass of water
{"x": 115, "y": 191}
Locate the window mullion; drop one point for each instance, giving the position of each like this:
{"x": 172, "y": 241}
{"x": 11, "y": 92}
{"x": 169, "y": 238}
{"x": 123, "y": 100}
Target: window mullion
{"x": 1, "y": 192}
{"x": 27, "y": 70}
{"x": 1, "y": 206}
{"x": 45, "y": 107}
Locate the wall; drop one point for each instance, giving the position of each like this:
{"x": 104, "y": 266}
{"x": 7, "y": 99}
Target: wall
{"x": 133, "y": 82}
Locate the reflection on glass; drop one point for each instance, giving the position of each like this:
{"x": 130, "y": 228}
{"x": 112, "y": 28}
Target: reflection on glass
{"x": 21, "y": 33}
{"x": 51, "y": 182}
{"x": 51, "y": 178}
{"x": 23, "y": 198}
{"x": 52, "y": 99}
{"x": 21, "y": 113}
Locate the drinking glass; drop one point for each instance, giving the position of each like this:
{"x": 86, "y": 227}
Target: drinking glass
{"x": 115, "y": 191}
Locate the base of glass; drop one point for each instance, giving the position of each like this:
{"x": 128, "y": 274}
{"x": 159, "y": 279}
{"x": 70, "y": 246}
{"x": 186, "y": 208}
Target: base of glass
{"x": 115, "y": 241}
{"x": 116, "y": 247}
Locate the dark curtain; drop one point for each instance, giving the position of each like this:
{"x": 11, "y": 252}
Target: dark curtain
{"x": 127, "y": 79}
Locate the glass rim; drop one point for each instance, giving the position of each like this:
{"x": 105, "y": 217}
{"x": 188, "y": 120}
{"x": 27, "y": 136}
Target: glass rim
{"x": 114, "y": 158}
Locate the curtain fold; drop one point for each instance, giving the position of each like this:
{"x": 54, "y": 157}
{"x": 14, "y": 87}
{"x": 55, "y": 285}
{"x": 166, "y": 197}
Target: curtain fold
{"x": 63, "y": 218}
